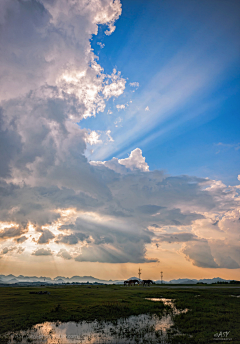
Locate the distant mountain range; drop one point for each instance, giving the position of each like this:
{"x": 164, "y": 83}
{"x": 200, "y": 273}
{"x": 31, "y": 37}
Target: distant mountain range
{"x": 11, "y": 279}
{"x": 194, "y": 281}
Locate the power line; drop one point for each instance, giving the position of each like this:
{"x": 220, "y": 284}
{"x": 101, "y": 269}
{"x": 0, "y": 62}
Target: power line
{"x": 139, "y": 273}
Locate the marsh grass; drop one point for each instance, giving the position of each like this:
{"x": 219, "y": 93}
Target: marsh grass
{"x": 211, "y": 310}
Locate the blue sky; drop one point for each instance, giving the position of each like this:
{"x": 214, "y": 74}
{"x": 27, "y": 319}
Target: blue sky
{"x": 187, "y": 52}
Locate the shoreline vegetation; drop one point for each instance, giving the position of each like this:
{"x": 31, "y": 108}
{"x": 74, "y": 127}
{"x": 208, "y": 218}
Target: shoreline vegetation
{"x": 212, "y": 308}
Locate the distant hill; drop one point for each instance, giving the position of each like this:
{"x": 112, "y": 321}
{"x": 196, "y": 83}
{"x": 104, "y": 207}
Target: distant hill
{"x": 134, "y": 278}
{"x": 213, "y": 280}
{"x": 189, "y": 282}
{"x": 11, "y": 279}
{"x": 7, "y": 278}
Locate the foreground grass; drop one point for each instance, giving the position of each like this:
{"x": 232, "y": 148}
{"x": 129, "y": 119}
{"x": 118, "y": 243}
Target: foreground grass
{"x": 19, "y": 309}
{"x": 211, "y": 312}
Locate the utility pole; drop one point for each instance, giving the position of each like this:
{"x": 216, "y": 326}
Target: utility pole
{"x": 139, "y": 273}
{"x": 161, "y": 276}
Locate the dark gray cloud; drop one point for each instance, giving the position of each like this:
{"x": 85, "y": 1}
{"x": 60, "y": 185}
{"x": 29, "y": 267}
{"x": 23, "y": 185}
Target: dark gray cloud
{"x": 5, "y": 250}
{"x": 21, "y": 239}
{"x": 110, "y": 232}
{"x": 154, "y": 225}
{"x": 200, "y": 254}
{"x": 12, "y": 232}
{"x": 149, "y": 209}
{"x": 178, "y": 237}
{"x": 10, "y": 143}
{"x": 134, "y": 253}
{"x": 110, "y": 242}
{"x": 71, "y": 239}
{"x": 226, "y": 253}
{"x": 212, "y": 254}
{"x": 227, "y": 262}
{"x": 66, "y": 227}
{"x": 67, "y": 239}
{"x": 64, "y": 254}
{"x": 45, "y": 237}
{"x": 177, "y": 217}
{"x": 8, "y": 249}
{"x": 42, "y": 252}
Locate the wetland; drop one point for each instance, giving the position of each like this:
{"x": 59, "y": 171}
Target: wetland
{"x": 118, "y": 314}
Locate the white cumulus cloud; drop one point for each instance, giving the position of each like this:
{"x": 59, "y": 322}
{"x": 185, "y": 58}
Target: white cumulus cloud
{"x": 134, "y": 84}
{"x": 135, "y": 161}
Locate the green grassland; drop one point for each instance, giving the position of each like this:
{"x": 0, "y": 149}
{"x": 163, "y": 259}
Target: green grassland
{"x": 211, "y": 309}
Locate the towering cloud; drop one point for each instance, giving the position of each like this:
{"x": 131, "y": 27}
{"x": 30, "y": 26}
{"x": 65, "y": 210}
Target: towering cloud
{"x": 54, "y": 202}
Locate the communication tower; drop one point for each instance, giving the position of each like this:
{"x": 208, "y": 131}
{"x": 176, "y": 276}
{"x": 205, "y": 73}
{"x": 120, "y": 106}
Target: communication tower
{"x": 139, "y": 273}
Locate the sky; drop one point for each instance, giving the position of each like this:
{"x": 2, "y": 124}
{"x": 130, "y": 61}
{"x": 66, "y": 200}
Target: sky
{"x": 119, "y": 138}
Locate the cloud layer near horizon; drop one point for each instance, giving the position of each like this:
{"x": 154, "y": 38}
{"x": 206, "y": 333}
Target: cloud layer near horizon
{"x": 56, "y": 203}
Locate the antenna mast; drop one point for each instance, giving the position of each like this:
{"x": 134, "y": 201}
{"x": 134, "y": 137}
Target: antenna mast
{"x": 161, "y": 277}
{"x": 139, "y": 273}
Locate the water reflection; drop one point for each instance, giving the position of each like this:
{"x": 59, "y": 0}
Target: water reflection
{"x": 134, "y": 329}
{"x": 169, "y": 302}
